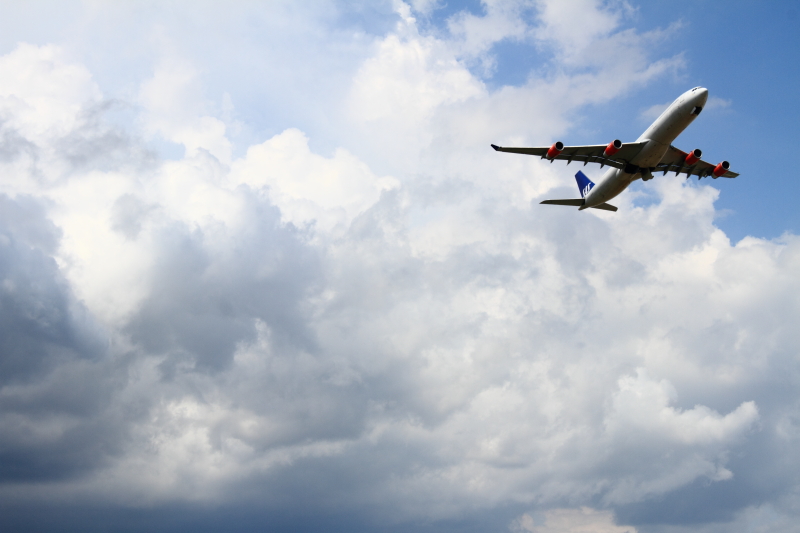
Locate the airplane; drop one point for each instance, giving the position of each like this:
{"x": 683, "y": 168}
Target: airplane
{"x": 652, "y": 152}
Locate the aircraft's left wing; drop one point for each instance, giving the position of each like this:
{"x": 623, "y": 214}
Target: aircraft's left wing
{"x": 584, "y": 154}
{"x": 675, "y": 161}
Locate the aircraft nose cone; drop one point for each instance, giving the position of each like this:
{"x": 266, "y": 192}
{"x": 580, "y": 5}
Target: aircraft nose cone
{"x": 701, "y": 95}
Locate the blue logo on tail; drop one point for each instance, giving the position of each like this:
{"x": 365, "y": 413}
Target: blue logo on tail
{"x": 584, "y": 184}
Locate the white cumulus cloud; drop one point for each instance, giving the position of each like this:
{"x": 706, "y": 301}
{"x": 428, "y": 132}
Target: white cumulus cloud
{"x": 368, "y": 312}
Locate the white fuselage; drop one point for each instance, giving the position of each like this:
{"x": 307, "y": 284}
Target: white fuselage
{"x": 658, "y": 136}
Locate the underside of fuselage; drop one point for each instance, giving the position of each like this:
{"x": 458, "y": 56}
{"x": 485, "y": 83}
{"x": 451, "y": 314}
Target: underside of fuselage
{"x": 658, "y": 137}
{"x": 611, "y": 185}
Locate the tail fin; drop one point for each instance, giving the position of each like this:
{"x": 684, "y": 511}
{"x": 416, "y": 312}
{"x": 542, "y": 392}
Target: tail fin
{"x": 584, "y": 184}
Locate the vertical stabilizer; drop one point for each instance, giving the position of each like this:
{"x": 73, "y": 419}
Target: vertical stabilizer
{"x": 584, "y": 184}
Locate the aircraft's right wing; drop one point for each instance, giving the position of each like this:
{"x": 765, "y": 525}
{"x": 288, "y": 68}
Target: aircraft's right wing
{"x": 675, "y": 161}
{"x": 584, "y": 154}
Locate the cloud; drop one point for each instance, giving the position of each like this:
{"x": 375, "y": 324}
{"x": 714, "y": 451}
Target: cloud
{"x": 654, "y": 111}
{"x": 307, "y": 187}
{"x": 570, "y": 521}
{"x": 384, "y": 322}
{"x": 52, "y": 422}
{"x": 474, "y": 35}
{"x": 715, "y": 102}
{"x": 42, "y": 94}
{"x": 172, "y": 107}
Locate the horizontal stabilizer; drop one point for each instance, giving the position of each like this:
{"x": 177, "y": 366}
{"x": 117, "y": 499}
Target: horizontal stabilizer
{"x": 579, "y": 202}
{"x": 606, "y": 207}
{"x": 574, "y": 201}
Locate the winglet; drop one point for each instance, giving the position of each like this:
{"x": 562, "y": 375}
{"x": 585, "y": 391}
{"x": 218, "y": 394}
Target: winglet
{"x": 497, "y": 148}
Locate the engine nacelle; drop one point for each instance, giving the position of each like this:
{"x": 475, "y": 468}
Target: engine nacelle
{"x": 721, "y": 169}
{"x": 554, "y": 150}
{"x": 693, "y": 157}
{"x": 612, "y": 148}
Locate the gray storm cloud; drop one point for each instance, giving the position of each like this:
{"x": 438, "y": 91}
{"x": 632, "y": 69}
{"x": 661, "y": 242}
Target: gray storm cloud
{"x": 312, "y": 337}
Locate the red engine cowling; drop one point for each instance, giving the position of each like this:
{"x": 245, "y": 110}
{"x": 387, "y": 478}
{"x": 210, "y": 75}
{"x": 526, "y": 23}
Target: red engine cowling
{"x": 612, "y": 148}
{"x": 721, "y": 169}
{"x": 693, "y": 157}
{"x": 554, "y": 150}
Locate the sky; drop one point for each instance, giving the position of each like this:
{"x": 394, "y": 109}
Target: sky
{"x": 261, "y": 271}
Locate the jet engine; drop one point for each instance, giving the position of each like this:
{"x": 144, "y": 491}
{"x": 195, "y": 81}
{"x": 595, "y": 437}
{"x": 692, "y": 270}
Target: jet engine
{"x": 612, "y": 148}
{"x": 554, "y": 150}
{"x": 721, "y": 169}
{"x": 693, "y": 156}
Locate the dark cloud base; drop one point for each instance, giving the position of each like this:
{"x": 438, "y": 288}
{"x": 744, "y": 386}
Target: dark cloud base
{"x": 52, "y": 358}
{"x": 244, "y": 519}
